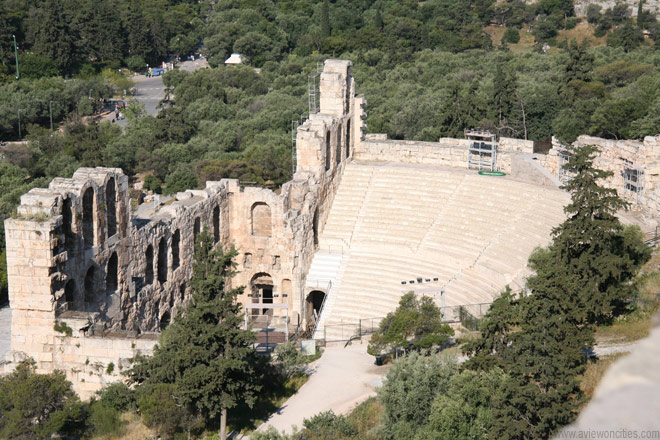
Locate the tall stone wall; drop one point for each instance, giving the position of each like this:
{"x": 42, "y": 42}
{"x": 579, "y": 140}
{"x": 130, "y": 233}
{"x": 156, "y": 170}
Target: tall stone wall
{"x": 449, "y": 152}
{"x": 616, "y": 156}
{"x": 111, "y": 279}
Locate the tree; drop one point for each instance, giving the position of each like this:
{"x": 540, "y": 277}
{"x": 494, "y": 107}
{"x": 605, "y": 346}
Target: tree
{"x": 37, "y": 405}
{"x": 412, "y": 384}
{"x": 592, "y": 257}
{"x": 325, "y": 19}
{"x": 53, "y": 34}
{"x": 204, "y": 353}
{"x": 416, "y": 322}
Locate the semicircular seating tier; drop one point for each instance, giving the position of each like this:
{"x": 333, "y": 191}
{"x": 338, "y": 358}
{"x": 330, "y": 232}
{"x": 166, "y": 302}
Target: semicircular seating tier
{"x": 393, "y": 222}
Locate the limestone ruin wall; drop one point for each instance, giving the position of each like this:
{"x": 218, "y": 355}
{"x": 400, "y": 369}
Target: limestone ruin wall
{"x": 620, "y": 157}
{"x": 110, "y": 278}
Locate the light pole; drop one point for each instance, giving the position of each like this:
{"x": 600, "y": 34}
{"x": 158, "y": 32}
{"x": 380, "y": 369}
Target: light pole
{"x": 18, "y": 73}
{"x": 50, "y": 110}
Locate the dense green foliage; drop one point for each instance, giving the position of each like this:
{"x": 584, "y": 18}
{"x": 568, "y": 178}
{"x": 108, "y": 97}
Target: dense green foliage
{"x": 70, "y": 36}
{"x": 417, "y": 322}
{"x": 203, "y": 364}
{"x": 34, "y": 406}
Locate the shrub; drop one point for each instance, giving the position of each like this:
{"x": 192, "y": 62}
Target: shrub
{"x": 511, "y": 35}
{"x": 118, "y": 396}
{"x": 104, "y": 420}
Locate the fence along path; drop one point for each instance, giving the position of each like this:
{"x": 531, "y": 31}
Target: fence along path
{"x": 467, "y": 234}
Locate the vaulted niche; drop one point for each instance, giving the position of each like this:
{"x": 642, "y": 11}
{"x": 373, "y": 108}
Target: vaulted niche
{"x": 111, "y": 207}
{"x": 88, "y": 217}
{"x": 149, "y": 270}
{"x": 111, "y": 274}
{"x": 261, "y": 221}
{"x": 196, "y": 229}
{"x": 162, "y": 260}
{"x": 348, "y": 138}
{"x": 70, "y": 292}
{"x": 338, "y": 156}
{"x": 176, "y": 243}
{"x": 216, "y": 224}
{"x": 327, "y": 151}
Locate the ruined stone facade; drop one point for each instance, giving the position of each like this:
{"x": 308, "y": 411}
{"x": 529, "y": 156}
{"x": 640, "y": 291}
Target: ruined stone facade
{"x": 110, "y": 279}
{"x": 621, "y": 157}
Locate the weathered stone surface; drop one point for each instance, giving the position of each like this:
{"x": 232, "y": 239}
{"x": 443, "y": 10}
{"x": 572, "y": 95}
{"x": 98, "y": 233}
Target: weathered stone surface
{"x": 78, "y": 256}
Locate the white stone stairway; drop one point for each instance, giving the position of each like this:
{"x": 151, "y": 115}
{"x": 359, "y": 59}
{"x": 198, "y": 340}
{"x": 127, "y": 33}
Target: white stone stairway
{"x": 391, "y": 223}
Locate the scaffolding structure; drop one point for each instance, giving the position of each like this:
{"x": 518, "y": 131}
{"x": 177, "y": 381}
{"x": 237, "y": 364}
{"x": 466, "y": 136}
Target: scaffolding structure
{"x": 482, "y": 153}
{"x": 563, "y": 175}
{"x": 314, "y": 89}
{"x": 633, "y": 182}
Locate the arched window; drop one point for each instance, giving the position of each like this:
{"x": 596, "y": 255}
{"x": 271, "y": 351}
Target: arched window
{"x": 111, "y": 274}
{"x": 338, "y": 151}
{"x": 196, "y": 229}
{"x": 262, "y": 288}
{"x": 90, "y": 291}
{"x": 315, "y": 226}
{"x": 261, "y": 222}
{"x": 149, "y": 270}
{"x": 164, "y": 320}
{"x": 176, "y": 240}
{"x": 216, "y": 224}
{"x": 327, "y": 151}
{"x": 88, "y": 217}
{"x": 348, "y": 138}
{"x": 67, "y": 220}
{"x": 70, "y": 292}
{"x": 111, "y": 207}
{"x": 162, "y": 260}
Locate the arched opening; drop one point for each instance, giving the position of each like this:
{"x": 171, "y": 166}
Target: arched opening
{"x": 286, "y": 288}
{"x": 216, "y": 224}
{"x": 196, "y": 229}
{"x": 182, "y": 292}
{"x": 111, "y": 274}
{"x": 111, "y": 207}
{"x": 162, "y": 260}
{"x": 90, "y": 292}
{"x": 338, "y": 151}
{"x": 314, "y": 303}
{"x": 70, "y": 293}
{"x": 67, "y": 221}
{"x": 261, "y": 287}
{"x": 88, "y": 217}
{"x": 261, "y": 219}
{"x": 347, "y": 105}
{"x": 176, "y": 240}
{"x": 348, "y": 138}
{"x": 164, "y": 321}
{"x": 327, "y": 151}
{"x": 149, "y": 270}
{"x": 315, "y": 226}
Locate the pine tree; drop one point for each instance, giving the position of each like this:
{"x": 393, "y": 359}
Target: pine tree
{"x": 592, "y": 257}
{"x": 53, "y": 35}
{"x": 325, "y": 19}
{"x": 204, "y": 352}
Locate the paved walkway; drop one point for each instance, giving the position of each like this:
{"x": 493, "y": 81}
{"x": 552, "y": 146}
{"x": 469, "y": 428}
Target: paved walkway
{"x": 5, "y": 331}
{"x": 341, "y": 379}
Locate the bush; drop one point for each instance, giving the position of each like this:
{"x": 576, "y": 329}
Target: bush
{"x": 328, "y": 425}
{"x": 290, "y": 359}
{"x": 511, "y": 35}
{"x": 104, "y": 420}
{"x": 152, "y": 183}
{"x": 118, "y": 396}
{"x": 571, "y": 22}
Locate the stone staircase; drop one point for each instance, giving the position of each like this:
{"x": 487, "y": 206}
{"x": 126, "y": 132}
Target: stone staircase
{"x": 391, "y": 224}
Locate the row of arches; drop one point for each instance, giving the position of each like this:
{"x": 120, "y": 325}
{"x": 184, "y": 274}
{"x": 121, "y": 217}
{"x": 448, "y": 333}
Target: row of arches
{"x": 161, "y": 253}
{"x": 89, "y": 225}
{"x": 91, "y": 284}
{"x": 339, "y": 151}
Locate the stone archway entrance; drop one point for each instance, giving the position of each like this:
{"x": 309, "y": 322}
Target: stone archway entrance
{"x": 262, "y": 289}
{"x": 314, "y": 303}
